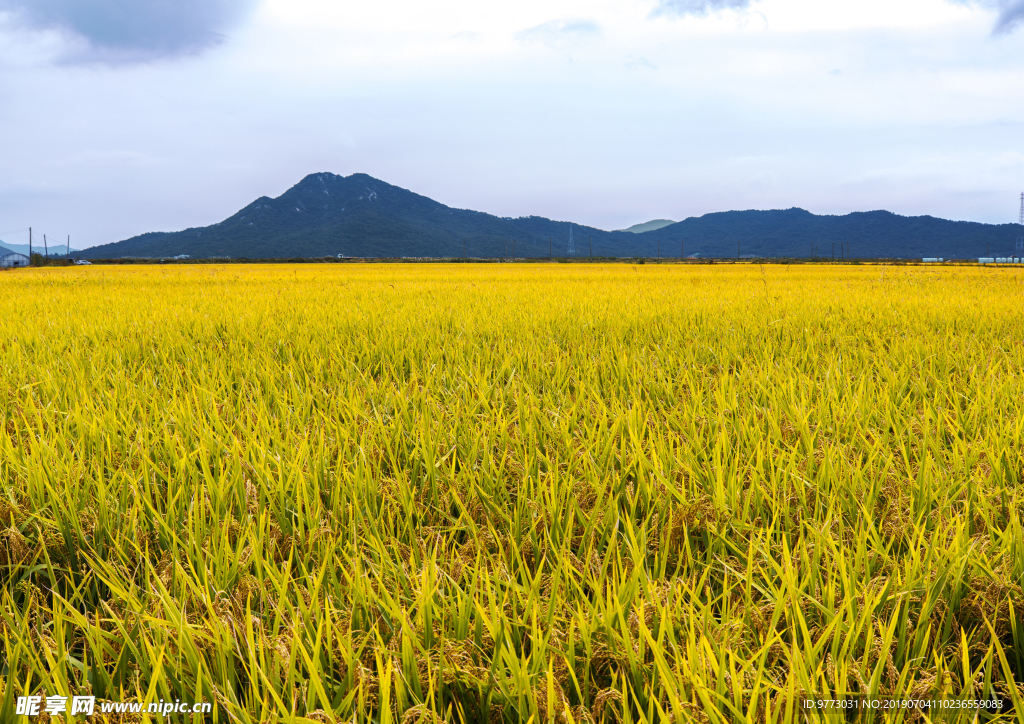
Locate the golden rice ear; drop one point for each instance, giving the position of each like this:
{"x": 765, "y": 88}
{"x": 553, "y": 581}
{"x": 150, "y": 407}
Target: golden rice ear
{"x": 465, "y": 493}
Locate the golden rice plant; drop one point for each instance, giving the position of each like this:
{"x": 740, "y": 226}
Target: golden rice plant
{"x": 511, "y": 493}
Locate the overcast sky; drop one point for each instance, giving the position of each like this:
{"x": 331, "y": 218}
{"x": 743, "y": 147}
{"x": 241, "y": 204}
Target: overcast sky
{"x": 118, "y": 118}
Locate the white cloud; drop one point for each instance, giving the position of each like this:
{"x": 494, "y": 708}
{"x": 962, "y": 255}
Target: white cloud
{"x": 697, "y": 7}
{"x": 554, "y": 31}
{"x": 1010, "y": 13}
{"x": 639, "y": 63}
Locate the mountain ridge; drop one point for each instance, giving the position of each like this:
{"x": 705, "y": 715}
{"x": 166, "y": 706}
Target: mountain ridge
{"x": 361, "y": 216}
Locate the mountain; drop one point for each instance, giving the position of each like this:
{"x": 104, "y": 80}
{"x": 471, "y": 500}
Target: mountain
{"x": 54, "y": 250}
{"x": 649, "y": 226}
{"x": 357, "y": 215}
{"x": 858, "y": 235}
{"x": 360, "y": 216}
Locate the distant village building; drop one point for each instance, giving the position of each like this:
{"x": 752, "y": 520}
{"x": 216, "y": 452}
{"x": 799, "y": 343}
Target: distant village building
{"x": 13, "y": 260}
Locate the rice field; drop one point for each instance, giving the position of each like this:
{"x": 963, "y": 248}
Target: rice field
{"x": 512, "y": 493}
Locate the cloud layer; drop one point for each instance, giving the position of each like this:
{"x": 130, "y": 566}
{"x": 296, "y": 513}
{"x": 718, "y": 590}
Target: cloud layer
{"x": 133, "y": 30}
{"x": 547, "y": 107}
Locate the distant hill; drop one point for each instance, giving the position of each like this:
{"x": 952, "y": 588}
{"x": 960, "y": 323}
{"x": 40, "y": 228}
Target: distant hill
{"x": 858, "y": 235}
{"x": 649, "y": 226}
{"x": 360, "y": 216}
{"x": 53, "y": 250}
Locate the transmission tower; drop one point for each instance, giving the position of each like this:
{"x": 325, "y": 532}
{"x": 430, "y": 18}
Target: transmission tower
{"x": 1020, "y": 222}
{"x": 572, "y": 244}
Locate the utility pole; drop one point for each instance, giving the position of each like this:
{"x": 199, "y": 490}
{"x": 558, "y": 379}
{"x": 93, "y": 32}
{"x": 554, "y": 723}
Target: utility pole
{"x": 1020, "y": 239}
{"x": 46, "y": 249}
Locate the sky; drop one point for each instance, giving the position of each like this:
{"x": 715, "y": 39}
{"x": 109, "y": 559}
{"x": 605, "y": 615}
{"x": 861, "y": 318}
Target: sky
{"x": 118, "y": 118}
